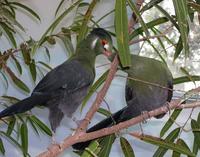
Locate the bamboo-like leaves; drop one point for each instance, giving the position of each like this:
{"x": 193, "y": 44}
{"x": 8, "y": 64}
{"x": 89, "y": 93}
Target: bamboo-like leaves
{"x": 24, "y": 137}
{"x": 126, "y": 147}
{"x": 87, "y": 17}
{"x": 92, "y": 150}
{"x": 182, "y": 15}
{"x": 122, "y": 34}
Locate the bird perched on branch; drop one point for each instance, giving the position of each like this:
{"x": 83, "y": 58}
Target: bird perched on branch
{"x": 149, "y": 86}
{"x": 63, "y": 88}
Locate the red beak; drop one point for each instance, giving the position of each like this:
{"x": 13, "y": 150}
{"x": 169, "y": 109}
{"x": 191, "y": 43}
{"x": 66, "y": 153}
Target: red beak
{"x": 107, "y": 53}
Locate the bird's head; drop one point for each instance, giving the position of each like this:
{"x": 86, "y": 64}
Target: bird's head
{"x": 101, "y": 42}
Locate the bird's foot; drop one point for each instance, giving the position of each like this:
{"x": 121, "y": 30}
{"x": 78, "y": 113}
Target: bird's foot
{"x": 121, "y": 133}
{"x": 54, "y": 142}
{"x": 78, "y": 122}
{"x": 145, "y": 115}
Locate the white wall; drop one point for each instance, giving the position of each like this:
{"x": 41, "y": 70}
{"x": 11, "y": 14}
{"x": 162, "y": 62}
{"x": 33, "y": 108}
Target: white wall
{"x": 114, "y": 97}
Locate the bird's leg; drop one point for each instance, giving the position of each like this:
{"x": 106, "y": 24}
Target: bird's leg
{"x": 145, "y": 116}
{"x": 168, "y": 107}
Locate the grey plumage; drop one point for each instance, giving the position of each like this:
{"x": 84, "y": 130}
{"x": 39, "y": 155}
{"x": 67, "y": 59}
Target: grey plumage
{"x": 63, "y": 88}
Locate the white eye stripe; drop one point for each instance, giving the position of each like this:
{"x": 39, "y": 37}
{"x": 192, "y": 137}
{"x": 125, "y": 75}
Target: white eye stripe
{"x": 106, "y": 46}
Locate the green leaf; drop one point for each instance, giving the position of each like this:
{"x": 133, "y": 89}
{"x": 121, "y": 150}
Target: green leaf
{"x": 19, "y": 68}
{"x": 33, "y": 13}
{"x": 84, "y": 27}
{"x": 54, "y": 24}
{"x": 59, "y": 6}
{"x": 9, "y": 34}
{"x": 187, "y": 74}
{"x": 5, "y": 79}
{"x": 122, "y": 35}
{"x": 106, "y": 145}
{"x": 138, "y": 14}
{"x": 167, "y": 143}
{"x": 180, "y": 142}
{"x": 126, "y": 147}
{"x": 170, "y": 121}
{"x": 91, "y": 150}
{"x": 196, "y": 131}
{"x": 33, "y": 126}
{"x": 94, "y": 87}
{"x": 166, "y": 14}
{"x": 41, "y": 125}
{"x": 195, "y": 147}
{"x": 26, "y": 53}
{"x": 47, "y": 52}
{"x": 2, "y": 149}
{"x": 17, "y": 81}
{"x": 179, "y": 48}
{"x": 67, "y": 43}
{"x": 150, "y": 24}
{"x": 184, "y": 79}
{"x": 24, "y": 137}
{"x": 104, "y": 112}
{"x": 150, "y": 4}
{"x": 11, "y": 126}
{"x": 6, "y": 136}
{"x": 45, "y": 65}
{"x": 182, "y": 15}
{"x": 32, "y": 69}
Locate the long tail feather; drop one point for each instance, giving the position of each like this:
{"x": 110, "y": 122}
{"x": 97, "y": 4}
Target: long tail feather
{"x": 23, "y": 105}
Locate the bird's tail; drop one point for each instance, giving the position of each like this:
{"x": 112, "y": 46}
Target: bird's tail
{"x": 108, "y": 122}
{"x": 23, "y": 105}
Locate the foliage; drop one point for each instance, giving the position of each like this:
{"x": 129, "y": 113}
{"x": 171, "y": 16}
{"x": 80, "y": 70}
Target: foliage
{"x": 83, "y": 21}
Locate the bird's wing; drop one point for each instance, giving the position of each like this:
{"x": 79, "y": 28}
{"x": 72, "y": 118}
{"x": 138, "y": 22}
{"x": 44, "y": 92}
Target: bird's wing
{"x": 71, "y": 75}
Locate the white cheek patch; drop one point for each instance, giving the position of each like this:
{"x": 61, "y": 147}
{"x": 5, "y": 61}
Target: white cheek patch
{"x": 106, "y": 46}
{"x": 94, "y": 43}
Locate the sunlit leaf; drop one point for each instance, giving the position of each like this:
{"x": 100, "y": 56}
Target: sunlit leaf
{"x": 122, "y": 34}
{"x": 126, "y": 147}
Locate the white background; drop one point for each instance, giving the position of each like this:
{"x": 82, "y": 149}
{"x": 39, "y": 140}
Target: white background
{"x": 114, "y": 97}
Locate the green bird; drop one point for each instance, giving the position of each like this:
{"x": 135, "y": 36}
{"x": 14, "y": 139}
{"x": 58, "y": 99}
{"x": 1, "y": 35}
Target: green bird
{"x": 63, "y": 88}
{"x": 149, "y": 86}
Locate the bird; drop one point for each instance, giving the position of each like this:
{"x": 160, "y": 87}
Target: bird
{"x": 149, "y": 86}
{"x": 63, "y": 89}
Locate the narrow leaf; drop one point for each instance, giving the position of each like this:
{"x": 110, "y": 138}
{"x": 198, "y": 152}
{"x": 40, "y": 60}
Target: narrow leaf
{"x": 24, "y": 137}
{"x": 196, "y": 131}
{"x": 41, "y": 125}
{"x": 59, "y": 6}
{"x": 19, "y": 68}
{"x": 187, "y": 74}
{"x": 104, "y": 112}
{"x": 32, "y": 69}
{"x": 184, "y": 79}
{"x": 11, "y": 126}
{"x": 126, "y": 147}
{"x": 122, "y": 34}
{"x": 180, "y": 142}
{"x": 2, "y": 149}
{"x": 29, "y": 10}
{"x": 87, "y": 17}
{"x": 91, "y": 150}
{"x": 170, "y": 121}
{"x": 170, "y": 138}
